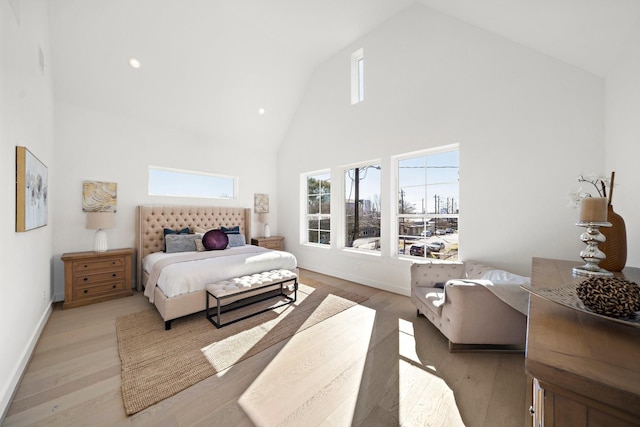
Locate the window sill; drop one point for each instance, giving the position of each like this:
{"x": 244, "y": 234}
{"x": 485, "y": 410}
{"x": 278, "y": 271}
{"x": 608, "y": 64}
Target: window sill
{"x": 316, "y": 245}
{"x": 361, "y": 252}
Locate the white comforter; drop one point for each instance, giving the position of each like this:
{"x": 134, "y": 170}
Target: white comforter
{"x": 186, "y": 272}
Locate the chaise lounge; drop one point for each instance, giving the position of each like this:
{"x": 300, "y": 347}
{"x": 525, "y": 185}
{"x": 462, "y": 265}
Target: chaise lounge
{"x": 477, "y": 307}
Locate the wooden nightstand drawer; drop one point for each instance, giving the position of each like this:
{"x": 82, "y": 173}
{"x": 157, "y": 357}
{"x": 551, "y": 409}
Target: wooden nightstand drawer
{"x": 104, "y": 289}
{"x": 91, "y": 277}
{"x": 275, "y": 242}
{"x": 91, "y": 265}
{"x": 272, "y": 245}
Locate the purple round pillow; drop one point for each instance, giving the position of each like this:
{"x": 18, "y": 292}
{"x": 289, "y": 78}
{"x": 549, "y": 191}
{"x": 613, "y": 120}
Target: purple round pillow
{"x": 214, "y": 240}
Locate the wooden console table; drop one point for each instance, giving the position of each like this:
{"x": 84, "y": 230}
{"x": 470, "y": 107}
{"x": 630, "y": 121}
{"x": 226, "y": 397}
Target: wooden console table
{"x": 588, "y": 368}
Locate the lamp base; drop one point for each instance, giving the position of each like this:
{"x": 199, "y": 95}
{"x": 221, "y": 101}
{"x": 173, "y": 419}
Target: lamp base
{"x": 100, "y": 241}
{"x": 591, "y": 254}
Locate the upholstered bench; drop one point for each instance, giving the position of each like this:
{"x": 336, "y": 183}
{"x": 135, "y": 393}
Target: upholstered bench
{"x": 242, "y": 291}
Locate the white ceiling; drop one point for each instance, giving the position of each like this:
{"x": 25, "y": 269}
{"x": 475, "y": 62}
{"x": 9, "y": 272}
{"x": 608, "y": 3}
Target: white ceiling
{"x": 209, "y": 65}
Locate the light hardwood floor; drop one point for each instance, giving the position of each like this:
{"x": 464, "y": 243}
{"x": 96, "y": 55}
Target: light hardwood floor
{"x": 375, "y": 364}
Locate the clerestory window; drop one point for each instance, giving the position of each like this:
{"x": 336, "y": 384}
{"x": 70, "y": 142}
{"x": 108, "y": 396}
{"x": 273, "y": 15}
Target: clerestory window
{"x": 357, "y": 76}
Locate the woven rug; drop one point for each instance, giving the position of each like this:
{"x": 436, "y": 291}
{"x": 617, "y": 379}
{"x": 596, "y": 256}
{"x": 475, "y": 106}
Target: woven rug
{"x": 157, "y": 364}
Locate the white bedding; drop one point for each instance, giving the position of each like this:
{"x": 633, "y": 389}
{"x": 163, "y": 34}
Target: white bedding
{"x": 183, "y": 274}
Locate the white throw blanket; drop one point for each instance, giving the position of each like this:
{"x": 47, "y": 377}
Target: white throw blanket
{"x": 506, "y": 286}
{"x": 186, "y": 272}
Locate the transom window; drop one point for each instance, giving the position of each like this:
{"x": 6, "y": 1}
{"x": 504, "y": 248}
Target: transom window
{"x": 185, "y": 183}
{"x": 429, "y": 203}
{"x": 318, "y": 209}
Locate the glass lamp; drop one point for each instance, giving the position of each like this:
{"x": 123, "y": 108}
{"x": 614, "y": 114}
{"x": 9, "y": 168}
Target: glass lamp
{"x": 100, "y": 221}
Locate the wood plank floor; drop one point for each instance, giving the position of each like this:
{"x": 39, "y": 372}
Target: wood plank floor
{"x": 375, "y": 364}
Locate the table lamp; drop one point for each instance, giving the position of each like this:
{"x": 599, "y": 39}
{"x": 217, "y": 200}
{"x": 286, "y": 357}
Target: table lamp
{"x": 100, "y": 221}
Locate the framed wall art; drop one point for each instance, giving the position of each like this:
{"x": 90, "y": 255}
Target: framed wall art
{"x": 31, "y": 191}
{"x": 98, "y": 196}
{"x": 261, "y": 203}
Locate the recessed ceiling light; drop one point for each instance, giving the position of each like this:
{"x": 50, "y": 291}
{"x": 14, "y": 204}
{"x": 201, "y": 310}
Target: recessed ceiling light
{"x": 134, "y": 63}
{"x": 261, "y": 111}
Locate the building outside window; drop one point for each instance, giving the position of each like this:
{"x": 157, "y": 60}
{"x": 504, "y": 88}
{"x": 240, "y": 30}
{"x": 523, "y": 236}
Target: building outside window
{"x": 428, "y": 204}
{"x": 318, "y": 209}
{"x": 362, "y": 207}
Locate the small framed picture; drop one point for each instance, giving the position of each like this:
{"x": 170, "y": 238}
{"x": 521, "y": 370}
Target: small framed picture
{"x": 261, "y": 203}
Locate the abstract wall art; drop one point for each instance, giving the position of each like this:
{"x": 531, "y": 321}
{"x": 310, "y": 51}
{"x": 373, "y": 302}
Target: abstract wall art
{"x": 99, "y": 196}
{"x": 31, "y": 191}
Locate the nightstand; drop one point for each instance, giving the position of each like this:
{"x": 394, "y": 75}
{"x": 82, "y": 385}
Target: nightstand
{"x": 273, "y": 242}
{"x": 91, "y": 277}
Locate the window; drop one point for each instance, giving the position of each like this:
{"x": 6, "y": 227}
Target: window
{"x": 183, "y": 183}
{"x": 357, "y": 76}
{"x": 318, "y": 212}
{"x": 428, "y": 203}
{"x": 362, "y": 207}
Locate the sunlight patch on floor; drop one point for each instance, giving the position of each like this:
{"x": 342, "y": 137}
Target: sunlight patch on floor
{"x": 320, "y": 373}
{"x": 249, "y": 338}
{"x": 425, "y": 399}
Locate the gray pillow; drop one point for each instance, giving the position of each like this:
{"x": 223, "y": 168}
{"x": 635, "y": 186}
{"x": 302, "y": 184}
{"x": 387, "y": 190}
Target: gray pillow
{"x": 180, "y": 242}
{"x": 236, "y": 240}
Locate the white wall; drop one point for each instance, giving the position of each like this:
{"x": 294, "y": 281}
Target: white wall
{"x": 526, "y": 124}
{"x": 622, "y": 141}
{"x": 95, "y": 145}
{"x": 26, "y": 119}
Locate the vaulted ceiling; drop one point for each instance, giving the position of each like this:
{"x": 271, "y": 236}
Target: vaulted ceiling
{"x": 208, "y": 66}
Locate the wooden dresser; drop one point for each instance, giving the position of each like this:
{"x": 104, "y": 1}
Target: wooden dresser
{"x": 587, "y": 368}
{"x": 91, "y": 277}
{"x": 273, "y": 242}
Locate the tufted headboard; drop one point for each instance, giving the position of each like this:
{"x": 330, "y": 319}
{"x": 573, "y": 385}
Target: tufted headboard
{"x": 152, "y": 220}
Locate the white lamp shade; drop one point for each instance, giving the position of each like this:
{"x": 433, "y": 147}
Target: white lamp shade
{"x": 100, "y": 220}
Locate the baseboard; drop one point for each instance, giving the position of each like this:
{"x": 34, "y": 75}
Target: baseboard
{"x": 9, "y": 390}
{"x": 356, "y": 279}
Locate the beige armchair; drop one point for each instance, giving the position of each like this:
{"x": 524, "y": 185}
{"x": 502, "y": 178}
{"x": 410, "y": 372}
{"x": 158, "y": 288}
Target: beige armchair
{"x": 475, "y": 306}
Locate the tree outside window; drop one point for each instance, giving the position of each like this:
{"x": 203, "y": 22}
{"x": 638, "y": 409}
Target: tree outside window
{"x": 362, "y": 207}
{"x": 319, "y": 209}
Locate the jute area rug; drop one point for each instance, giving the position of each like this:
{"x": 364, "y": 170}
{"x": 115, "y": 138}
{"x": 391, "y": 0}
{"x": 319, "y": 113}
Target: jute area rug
{"x": 157, "y": 364}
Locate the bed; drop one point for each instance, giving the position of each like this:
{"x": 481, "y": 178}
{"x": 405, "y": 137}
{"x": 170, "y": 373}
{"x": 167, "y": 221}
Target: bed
{"x": 151, "y": 221}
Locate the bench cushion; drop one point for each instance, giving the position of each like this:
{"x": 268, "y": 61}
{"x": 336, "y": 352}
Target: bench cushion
{"x": 245, "y": 283}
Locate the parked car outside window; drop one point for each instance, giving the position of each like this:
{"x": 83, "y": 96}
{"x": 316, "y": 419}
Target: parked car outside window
{"x": 435, "y": 246}
{"x": 419, "y": 250}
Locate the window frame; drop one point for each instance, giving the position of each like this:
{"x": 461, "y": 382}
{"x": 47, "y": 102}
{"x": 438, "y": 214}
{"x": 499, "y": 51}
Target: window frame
{"x": 419, "y": 215}
{"x": 377, "y": 163}
{"x": 232, "y": 180}
{"x": 306, "y": 216}
{"x": 357, "y": 76}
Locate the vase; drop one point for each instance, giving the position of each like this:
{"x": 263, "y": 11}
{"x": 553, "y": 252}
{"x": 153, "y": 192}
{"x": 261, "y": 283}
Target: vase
{"x": 615, "y": 247}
